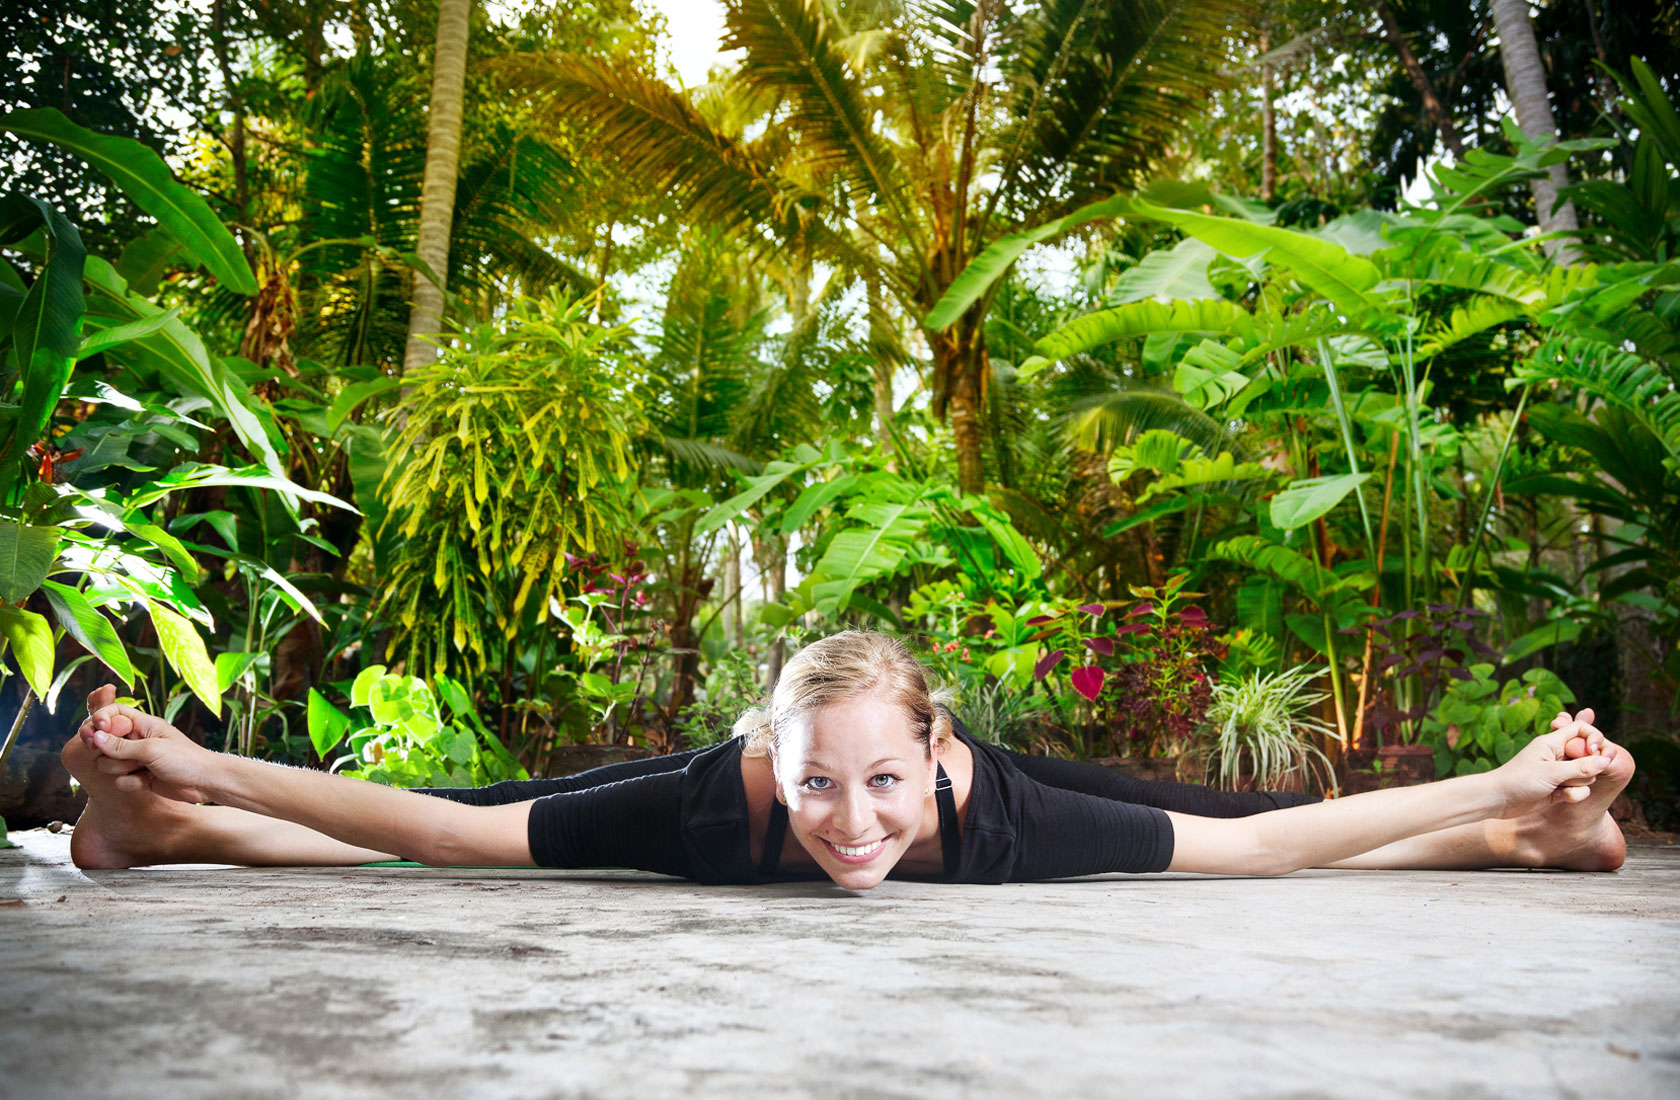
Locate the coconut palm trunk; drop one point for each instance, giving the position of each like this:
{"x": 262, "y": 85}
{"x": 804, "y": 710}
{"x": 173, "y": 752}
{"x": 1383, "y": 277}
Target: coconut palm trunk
{"x": 437, "y": 193}
{"x": 1525, "y": 82}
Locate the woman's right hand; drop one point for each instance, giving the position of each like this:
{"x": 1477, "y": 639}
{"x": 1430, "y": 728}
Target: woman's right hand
{"x": 143, "y": 751}
{"x": 1544, "y": 771}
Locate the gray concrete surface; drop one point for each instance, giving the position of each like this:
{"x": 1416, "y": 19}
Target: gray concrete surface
{"x": 231, "y": 982}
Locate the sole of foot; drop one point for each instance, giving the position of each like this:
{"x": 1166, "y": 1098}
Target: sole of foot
{"x": 117, "y": 829}
{"x": 1580, "y": 836}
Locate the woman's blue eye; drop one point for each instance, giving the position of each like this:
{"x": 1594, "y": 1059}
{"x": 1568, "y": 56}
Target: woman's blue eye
{"x": 818, "y": 783}
{"x": 883, "y": 780}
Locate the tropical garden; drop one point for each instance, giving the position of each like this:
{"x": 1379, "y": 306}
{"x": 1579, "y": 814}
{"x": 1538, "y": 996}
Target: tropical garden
{"x": 441, "y": 392}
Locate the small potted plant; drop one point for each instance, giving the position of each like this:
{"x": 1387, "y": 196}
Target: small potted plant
{"x": 1259, "y": 732}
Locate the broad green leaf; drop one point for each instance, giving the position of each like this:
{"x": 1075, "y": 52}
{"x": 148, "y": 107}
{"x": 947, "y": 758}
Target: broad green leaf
{"x": 813, "y": 498}
{"x": 1179, "y": 273}
{"x": 176, "y": 352}
{"x": 62, "y": 678}
{"x": 855, "y": 556}
{"x": 1015, "y": 547}
{"x": 775, "y": 615}
{"x": 352, "y": 396}
{"x": 84, "y": 622}
{"x": 1543, "y": 636}
{"x": 1198, "y": 470}
{"x": 252, "y": 477}
{"x": 46, "y": 328}
{"x": 146, "y": 180}
{"x": 106, "y": 338}
{"x": 988, "y": 267}
{"x": 26, "y": 557}
{"x": 327, "y": 724}
{"x": 171, "y": 547}
{"x": 186, "y": 654}
{"x": 231, "y": 666}
{"x": 1328, "y": 268}
{"x": 145, "y": 259}
{"x": 1213, "y": 317}
{"x": 362, "y": 689}
{"x": 31, "y": 639}
{"x": 1308, "y": 498}
{"x": 757, "y": 487}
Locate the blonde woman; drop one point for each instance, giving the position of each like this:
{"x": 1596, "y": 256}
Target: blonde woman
{"x": 870, "y": 778}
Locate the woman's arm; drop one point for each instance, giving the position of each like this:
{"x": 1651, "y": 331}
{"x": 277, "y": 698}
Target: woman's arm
{"x": 427, "y": 830}
{"x": 1287, "y": 840}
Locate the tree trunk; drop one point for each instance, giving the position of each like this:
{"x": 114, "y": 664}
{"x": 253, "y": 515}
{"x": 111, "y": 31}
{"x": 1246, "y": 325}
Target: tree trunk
{"x": 1432, "y": 104}
{"x": 1525, "y": 82}
{"x": 732, "y": 621}
{"x": 1268, "y": 129}
{"x": 437, "y": 193}
{"x": 883, "y": 361}
{"x": 959, "y": 356}
{"x": 775, "y": 572}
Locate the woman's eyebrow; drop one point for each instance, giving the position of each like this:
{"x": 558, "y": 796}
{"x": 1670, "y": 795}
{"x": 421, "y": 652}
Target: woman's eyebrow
{"x": 812, "y": 763}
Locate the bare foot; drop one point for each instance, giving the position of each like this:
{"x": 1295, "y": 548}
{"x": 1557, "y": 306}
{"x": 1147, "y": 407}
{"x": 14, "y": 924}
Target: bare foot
{"x": 1579, "y": 836}
{"x": 118, "y": 828}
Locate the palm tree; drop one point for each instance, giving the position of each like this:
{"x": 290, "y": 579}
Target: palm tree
{"x": 437, "y": 196}
{"x": 1525, "y": 81}
{"x": 926, "y": 129}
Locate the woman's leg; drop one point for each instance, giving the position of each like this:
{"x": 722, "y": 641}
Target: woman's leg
{"x": 1571, "y": 836}
{"x": 136, "y": 828}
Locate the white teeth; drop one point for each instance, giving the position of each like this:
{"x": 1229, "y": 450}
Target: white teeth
{"x": 863, "y": 851}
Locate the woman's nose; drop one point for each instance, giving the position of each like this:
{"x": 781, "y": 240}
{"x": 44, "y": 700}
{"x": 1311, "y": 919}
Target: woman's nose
{"x": 853, "y": 815}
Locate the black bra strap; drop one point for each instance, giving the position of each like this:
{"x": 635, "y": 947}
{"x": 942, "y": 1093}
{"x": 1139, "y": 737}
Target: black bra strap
{"x": 773, "y": 834}
{"x": 950, "y": 833}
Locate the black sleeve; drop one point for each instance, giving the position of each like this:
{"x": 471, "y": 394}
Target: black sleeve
{"x": 1183, "y": 798}
{"x": 634, "y": 823}
{"x": 525, "y": 790}
{"x": 1063, "y": 834}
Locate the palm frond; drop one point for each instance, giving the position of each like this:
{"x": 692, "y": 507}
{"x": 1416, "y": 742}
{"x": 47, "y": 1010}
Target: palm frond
{"x": 792, "y": 47}
{"x": 656, "y": 135}
{"x": 1100, "y": 422}
{"x": 1092, "y": 118}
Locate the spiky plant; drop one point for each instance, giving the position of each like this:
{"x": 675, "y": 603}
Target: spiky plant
{"x": 1263, "y": 727}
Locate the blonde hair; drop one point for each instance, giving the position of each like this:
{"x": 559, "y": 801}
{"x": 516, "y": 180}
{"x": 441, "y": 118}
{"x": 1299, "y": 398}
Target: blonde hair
{"x": 836, "y": 669}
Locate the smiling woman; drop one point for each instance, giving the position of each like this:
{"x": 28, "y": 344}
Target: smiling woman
{"x": 870, "y": 776}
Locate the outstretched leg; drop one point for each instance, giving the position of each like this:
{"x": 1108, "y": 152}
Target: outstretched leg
{"x": 134, "y": 828}
{"x": 1570, "y": 836}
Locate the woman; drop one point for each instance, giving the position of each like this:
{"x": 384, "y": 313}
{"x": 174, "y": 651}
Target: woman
{"x": 870, "y": 777}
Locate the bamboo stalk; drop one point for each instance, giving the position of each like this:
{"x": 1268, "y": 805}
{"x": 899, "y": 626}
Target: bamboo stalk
{"x": 1376, "y": 591}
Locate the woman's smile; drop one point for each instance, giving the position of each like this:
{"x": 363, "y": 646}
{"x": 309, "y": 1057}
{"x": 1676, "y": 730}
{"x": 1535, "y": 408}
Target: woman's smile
{"x": 859, "y": 853}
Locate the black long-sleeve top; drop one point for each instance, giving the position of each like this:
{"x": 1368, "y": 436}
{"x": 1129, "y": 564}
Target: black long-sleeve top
{"x": 1029, "y": 818}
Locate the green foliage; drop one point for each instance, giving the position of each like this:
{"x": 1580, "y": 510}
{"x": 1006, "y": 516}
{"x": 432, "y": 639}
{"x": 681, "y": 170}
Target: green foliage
{"x": 1263, "y": 725}
{"x": 400, "y": 736}
{"x": 731, "y": 687}
{"x": 147, "y": 181}
{"x": 516, "y": 452}
{"x": 1479, "y": 725}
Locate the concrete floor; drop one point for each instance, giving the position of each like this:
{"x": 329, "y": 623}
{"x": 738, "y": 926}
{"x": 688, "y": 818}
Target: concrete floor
{"x": 187, "y": 983}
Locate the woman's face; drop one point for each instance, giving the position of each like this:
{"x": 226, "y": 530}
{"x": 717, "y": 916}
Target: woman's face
{"x": 854, "y": 784}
